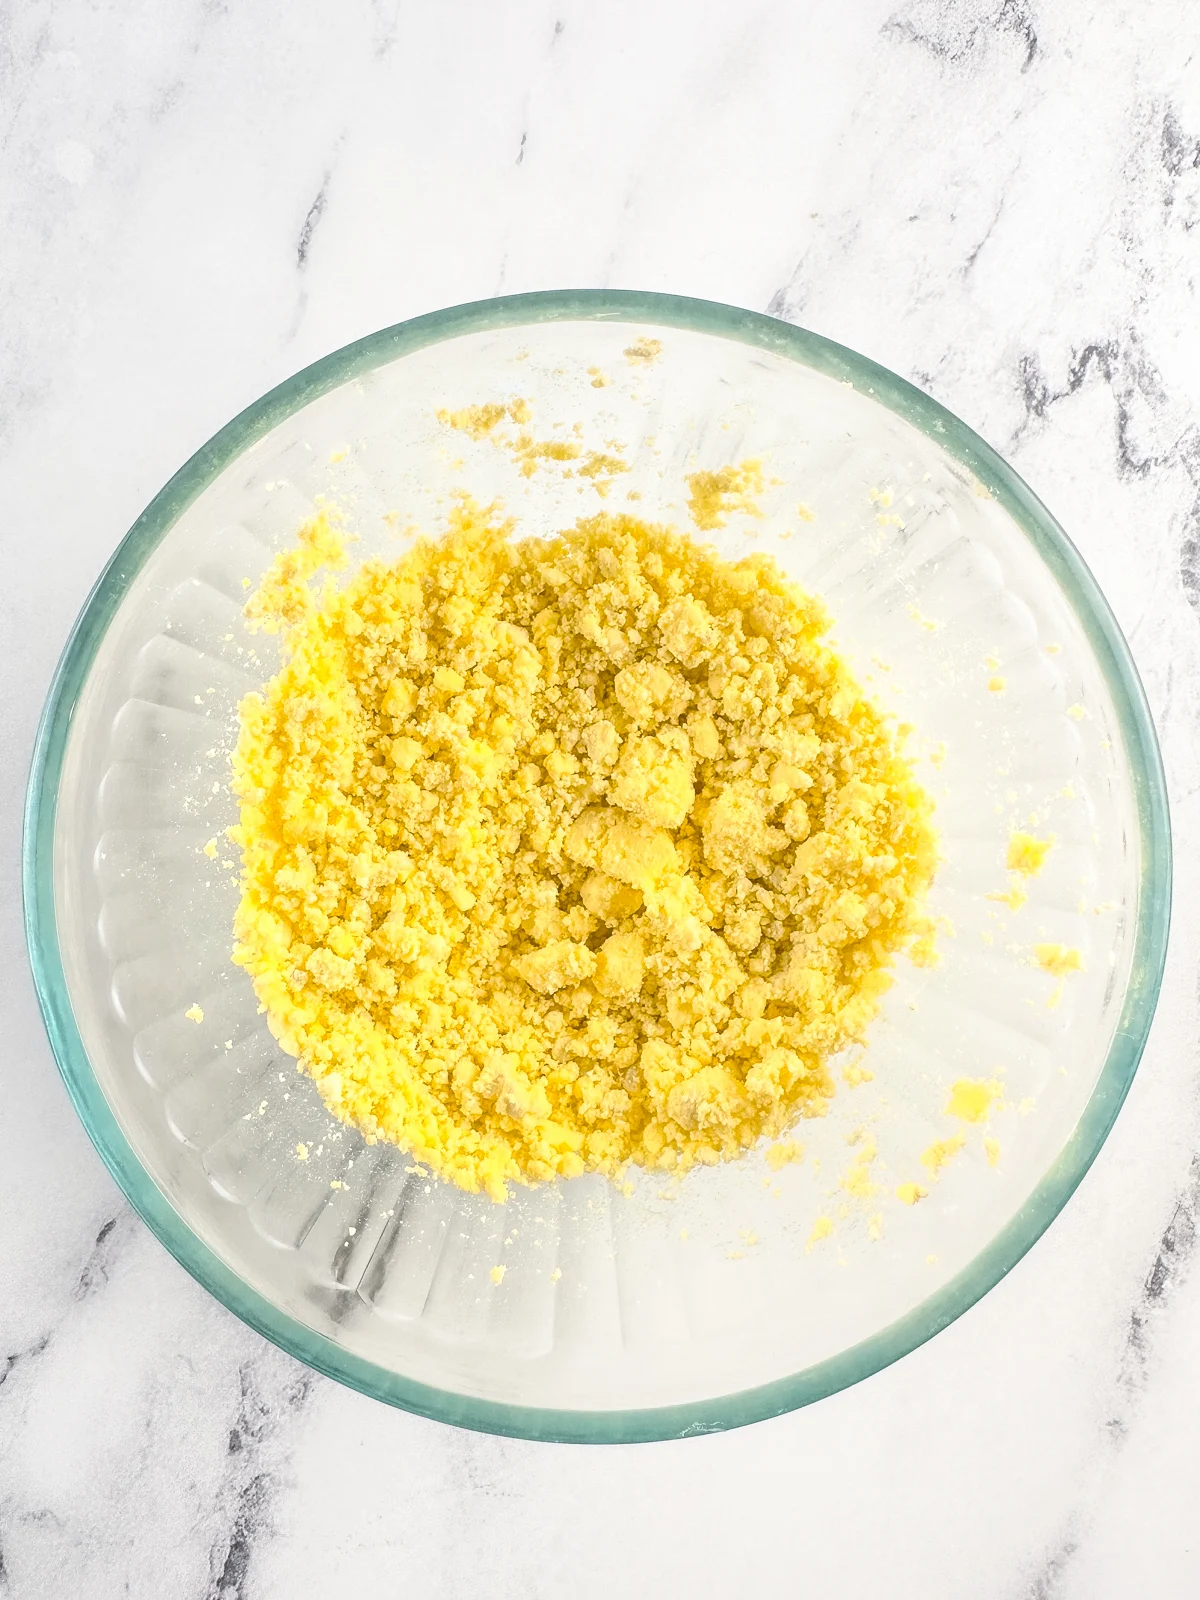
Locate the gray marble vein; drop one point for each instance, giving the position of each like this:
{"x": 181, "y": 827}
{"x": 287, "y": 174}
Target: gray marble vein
{"x": 998, "y": 199}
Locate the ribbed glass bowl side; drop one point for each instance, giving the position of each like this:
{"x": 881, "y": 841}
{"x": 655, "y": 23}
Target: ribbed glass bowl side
{"x": 1149, "y": 935}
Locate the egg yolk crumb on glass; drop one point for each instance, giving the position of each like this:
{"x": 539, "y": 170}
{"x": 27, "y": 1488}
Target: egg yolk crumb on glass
{"x": 560, "y": 854}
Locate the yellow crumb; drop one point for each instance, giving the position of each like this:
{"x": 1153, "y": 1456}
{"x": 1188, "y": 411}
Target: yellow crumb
{"x": 805, "y": 513}
{"x": 992, "y": 1151}
{"x": 210, "y": 849}
{"x": 910, "y": 1193}
{"x": 922, "y": 620}
{"x": 497, "y": 1274}
{"x": 483, "y": 421}
{"x": 931, "y": 1260}
{"x": 600, "y": 468}
{"x": 194, "y": 1014}
{"x": 997, "y": 685}
{"x": 561, "y": 854}
{"x": 856, "y": 1074}
{"x": 881, "y": 497}
{"x": 556, "y": 1275}
{"x": 857, "y": 1179}
{"x": 715, "y": 496}
{"x": 875, "y": 1226}
{"x": 643, "y": 352}
{"x": 1053, "y": 649}
{"x": 781, "y": 1154}
{"x": 529, "y": 452}
{"x": 337, "y": 455}
{"x": 1027, "y": 854}
{"x": 1058, "y": 959}
{"x": 302, "y": 1152}
{"x": 599, "y": 379}
{"x": 821, "y": 1229}
{"x": 1014, "y": 898}
{"x": 942, "y": 1151}
{"x": 972, "y": 1099}
{"x": 478, "y": 421}
{"x": 1077, "y": 712}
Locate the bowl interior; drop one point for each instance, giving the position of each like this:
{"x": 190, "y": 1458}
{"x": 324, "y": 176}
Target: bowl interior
{"x": 655, "y": 1294}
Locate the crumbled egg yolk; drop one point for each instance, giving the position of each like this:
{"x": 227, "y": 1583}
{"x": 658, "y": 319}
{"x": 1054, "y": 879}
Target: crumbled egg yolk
{"x": 1014, "y": 898}
{"x": 1058, "y": 959}
{"x": 714, "y": 496}
{"x": 643, "y": 352}
{"x": 857, "y": 1179}
{"x": 971, "y": 1099}
{"x": 942, "y": 1151}
{"x": 1026, "y": 854}
{"x": 482, "y": 422}
{"x": 561, "y": 854}
{"x": 783, "y": 1154}
{"x": 821, "y": 1229}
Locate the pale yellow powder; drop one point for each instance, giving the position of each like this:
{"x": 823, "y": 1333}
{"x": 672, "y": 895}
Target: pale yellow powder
{"x": 563, "y": 854}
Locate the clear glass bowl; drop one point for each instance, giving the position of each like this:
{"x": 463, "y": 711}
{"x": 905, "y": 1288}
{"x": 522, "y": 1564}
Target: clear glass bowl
{"x": 643, "y": 1312}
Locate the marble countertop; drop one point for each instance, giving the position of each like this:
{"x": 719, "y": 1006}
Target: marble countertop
{"x": 996, "y": 198}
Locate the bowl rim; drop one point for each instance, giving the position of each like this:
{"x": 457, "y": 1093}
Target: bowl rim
{"x": 1055, "y": 1187}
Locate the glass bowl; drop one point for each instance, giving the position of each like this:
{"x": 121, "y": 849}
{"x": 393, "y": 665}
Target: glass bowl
{"x": 648, "y": 1310}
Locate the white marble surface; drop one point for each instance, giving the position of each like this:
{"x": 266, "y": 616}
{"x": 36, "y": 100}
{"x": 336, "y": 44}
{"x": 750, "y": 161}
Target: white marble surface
{"x": 997, "y": 198}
